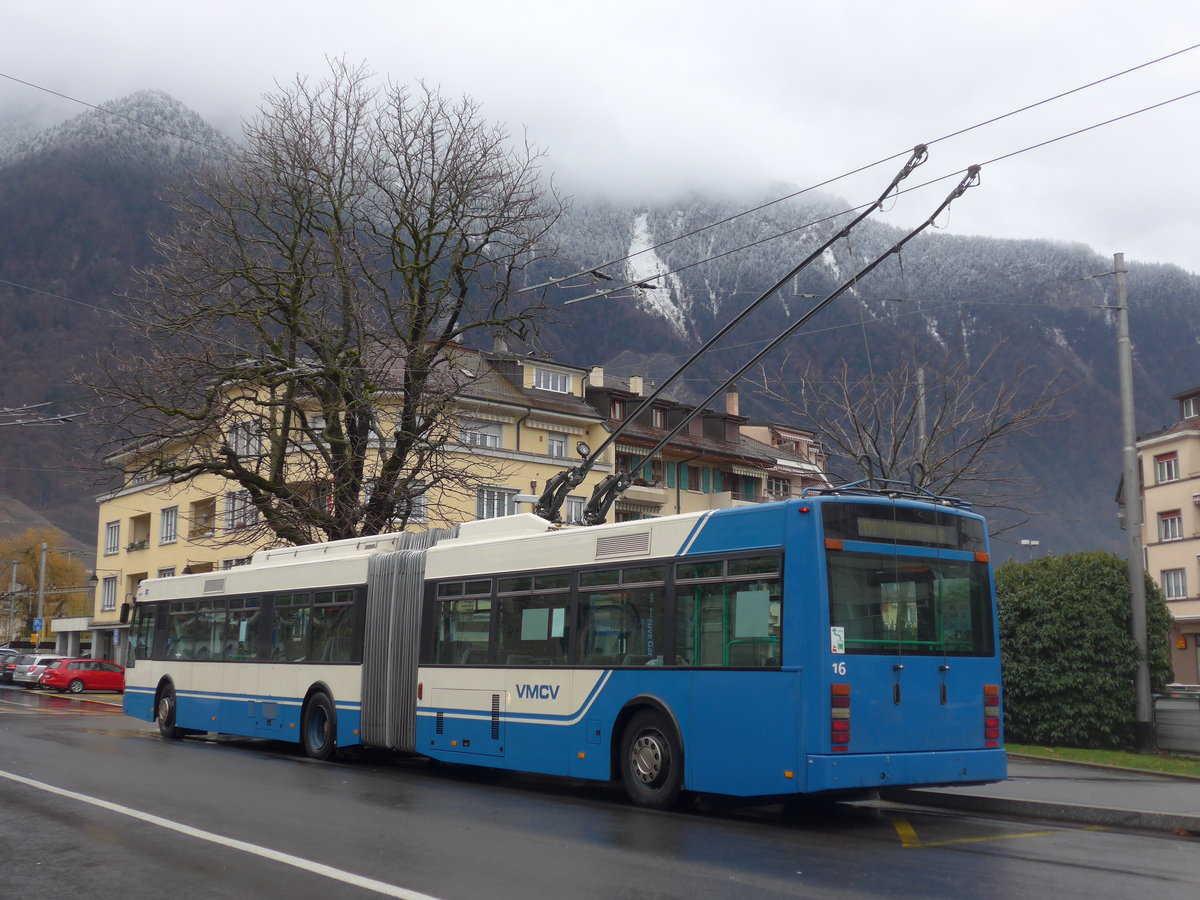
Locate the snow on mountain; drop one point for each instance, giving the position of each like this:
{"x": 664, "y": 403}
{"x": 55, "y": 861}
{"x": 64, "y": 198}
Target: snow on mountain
{"x": 149, "y": 126}
{"x": 666, "y": 298}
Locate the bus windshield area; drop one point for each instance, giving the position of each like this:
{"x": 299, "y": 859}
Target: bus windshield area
{"x": 911, "y": 606}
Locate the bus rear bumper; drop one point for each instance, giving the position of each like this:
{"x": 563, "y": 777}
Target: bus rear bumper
{"x": 849, "y": 771}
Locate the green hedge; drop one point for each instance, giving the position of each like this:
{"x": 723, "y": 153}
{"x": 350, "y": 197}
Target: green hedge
{"x": 1068, "y": 653}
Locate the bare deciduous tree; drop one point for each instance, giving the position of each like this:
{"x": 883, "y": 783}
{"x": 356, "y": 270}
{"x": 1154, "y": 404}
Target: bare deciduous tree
{"x": 944, "y": 429}
{"x": 303, "y": 335}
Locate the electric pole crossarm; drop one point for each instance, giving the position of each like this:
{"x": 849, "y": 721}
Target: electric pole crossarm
{"x": 550, "y": 502}
{"x": 608, "y": 490}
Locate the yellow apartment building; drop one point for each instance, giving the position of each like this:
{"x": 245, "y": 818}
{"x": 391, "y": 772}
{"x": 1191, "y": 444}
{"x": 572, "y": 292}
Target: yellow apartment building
{"x": 1169, "y": 472}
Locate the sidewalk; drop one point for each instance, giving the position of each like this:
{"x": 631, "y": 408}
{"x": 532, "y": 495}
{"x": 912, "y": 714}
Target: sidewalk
{"x": 1070, "y": 792}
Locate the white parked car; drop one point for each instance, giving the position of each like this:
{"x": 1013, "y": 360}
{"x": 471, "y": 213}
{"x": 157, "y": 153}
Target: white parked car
{"x": 30, "y": 667}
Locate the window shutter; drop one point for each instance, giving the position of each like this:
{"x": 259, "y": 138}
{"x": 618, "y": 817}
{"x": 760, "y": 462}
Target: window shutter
{"x": 479, "y": 504}
{"x": 705, "y": 483}
{"x": 683, "y": 475}
{"x": 670, "y": 474}
{"x": 716, "y": 481}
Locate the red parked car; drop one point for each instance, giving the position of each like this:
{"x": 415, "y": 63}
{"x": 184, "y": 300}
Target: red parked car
{"x": 77, "y": 675}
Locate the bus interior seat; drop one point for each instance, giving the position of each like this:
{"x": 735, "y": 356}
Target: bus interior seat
{"x": 473, "y": 656}
{"x": 635, "y": 659}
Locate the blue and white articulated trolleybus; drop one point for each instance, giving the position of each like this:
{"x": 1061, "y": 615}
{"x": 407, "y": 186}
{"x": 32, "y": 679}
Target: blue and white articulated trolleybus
{"x": 836, "y": 643}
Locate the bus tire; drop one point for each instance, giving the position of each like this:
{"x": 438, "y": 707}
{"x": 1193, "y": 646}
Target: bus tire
{"x": 652, "y": 761}
{"x": 164, "y": 714}
{"x": 318, "y": 727}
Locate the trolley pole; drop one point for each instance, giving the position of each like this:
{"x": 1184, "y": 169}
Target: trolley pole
{"x": 1143, "y": 726}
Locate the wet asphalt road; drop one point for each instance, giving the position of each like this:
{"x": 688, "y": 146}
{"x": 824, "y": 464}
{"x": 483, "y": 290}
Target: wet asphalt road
{"x": 94, "y": 804}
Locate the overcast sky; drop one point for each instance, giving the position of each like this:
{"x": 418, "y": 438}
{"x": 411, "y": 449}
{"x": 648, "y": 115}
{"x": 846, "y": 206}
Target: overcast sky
{"x": 640, "y": 95}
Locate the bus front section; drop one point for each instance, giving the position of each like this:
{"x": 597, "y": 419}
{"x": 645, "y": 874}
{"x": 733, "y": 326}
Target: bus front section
{"x": 911, "y": 690}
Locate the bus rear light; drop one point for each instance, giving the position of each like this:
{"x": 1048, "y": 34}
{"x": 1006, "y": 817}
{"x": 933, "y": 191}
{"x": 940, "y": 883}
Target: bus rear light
{"x": 839, "y": 717}
{"x": 420, "y": 690}
{"x": 991, "y": 715}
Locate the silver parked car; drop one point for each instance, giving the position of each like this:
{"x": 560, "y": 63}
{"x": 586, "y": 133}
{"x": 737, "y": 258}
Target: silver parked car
{"x": 30, "y": 667}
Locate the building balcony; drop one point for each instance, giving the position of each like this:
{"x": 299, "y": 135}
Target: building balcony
{"x": 645, "y": 493}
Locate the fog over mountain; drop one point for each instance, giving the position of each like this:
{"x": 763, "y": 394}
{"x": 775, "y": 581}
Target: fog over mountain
{"x": 77, "y": 200}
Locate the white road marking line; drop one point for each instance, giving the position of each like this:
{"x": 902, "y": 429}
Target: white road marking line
{"x": 307, "y": 865}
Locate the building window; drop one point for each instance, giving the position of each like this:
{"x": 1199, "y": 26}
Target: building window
{"x": 168, "y": 572}
{"x": 239, "y": 511}
{"x": 1166, "y": 468}
{"x": 492, "y": 503}
{"x": 1174, "y": 584}
{"x": 1191, "y": 407}
{"x": 108, "y": 594}
{"x": 416, "y": 504}
{"x": 574, "y": 510}
{"x": 245, "y": 438}
{"x": 236, "y": 561}
{"x": 1170, "y": 525}
{"x": 618, "y": 408}
{"x": 112, "y": 538}
{"x": 658, "y": 417}
{"x": 482, "y": 434}
{"x": 168, "y": 525}
{"x": 556, "y": 445}
{"x": 779, "y": 488}
{"x": 546, "y": 380}
{"x": 693, "y": 478}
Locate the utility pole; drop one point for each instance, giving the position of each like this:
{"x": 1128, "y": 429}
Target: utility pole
{"x": 41, "y": 622}
{"x": 1143, "y": 726}
{"x": 921, "y": 436}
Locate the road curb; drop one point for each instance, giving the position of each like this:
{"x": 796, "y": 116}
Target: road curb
{"x": 1042, "y": 809}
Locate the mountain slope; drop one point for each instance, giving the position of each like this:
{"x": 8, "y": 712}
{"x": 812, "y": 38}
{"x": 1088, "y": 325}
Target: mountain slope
{"x": 77, "y": 202}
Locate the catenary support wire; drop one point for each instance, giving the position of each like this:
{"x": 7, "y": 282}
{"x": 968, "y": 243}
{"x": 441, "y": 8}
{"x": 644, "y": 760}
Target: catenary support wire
{"x": 614, "y": 485}
{"x": 558, "y": 486}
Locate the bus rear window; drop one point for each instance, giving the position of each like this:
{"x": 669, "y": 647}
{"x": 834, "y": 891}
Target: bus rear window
{"x": 890, "y": 523}
{"x": 909, "y": 606}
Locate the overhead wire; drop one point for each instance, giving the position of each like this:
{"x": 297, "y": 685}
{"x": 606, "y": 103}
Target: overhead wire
{"x": 727, "y": 219}
{"x": 916, "y": 187}
{"x": 868, "y": 166}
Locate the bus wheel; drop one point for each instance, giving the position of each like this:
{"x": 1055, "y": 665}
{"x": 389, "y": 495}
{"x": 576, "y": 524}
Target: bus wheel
{"x": 318, "y": 727}
{"x": 164, "y": 715}
{"x": 651, "y": 761}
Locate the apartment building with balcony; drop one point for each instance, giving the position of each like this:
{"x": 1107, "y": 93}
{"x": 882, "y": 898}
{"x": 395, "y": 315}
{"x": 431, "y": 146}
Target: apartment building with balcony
{"x": 1169, "y": 474}
{"x": 718, "y": 460}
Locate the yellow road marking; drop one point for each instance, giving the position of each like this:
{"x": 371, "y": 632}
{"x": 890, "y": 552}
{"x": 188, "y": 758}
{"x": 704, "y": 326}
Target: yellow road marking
{"x": 908, "y": 835}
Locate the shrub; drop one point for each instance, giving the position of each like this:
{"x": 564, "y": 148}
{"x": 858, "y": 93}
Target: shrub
{"x": 1068, "y": 652}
